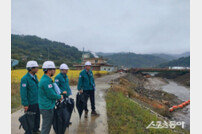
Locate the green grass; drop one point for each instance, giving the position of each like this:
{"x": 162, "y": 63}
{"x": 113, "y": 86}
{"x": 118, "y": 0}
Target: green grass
{"x": 125, "y": 116}
{"x": 15, "y": 97}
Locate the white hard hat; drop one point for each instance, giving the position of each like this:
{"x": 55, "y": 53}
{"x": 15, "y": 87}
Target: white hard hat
{"x": 31, "y": 64}
{"x": 64, "y": 66}
{"x": 48, "y": 64}
{"x": 88, "y": 63}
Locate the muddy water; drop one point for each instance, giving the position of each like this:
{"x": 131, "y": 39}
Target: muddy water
{"x": 183, "y": 93}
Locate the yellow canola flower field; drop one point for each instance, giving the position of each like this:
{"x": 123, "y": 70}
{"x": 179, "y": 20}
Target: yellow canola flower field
{"x": 16, "y": 75}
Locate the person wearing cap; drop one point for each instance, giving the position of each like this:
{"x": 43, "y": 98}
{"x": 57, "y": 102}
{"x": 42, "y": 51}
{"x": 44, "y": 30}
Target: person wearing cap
{"x": 29, "y": 94}
{"x": 86, "y": 85}
{"x": 62, "y": 80}
{"x": 47, "y": 96}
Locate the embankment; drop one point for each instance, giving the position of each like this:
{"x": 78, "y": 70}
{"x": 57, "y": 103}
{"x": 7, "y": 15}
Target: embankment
{"x": 146, "y": 92}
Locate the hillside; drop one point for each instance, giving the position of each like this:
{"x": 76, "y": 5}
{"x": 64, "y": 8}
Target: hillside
{"x": 134, "y": 60}
{"x": 184, "y": 61}
{"x": 102, "y": 54}
{"x": 168, "y": 57}
{"x": 172, "y": 56}
{"x": 24, "y": 48}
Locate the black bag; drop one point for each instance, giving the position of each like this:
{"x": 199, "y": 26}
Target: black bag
{"x": 27, "y": 121}
{"x": 70, "y": 106}
{"x": 60, "y": 119}
{"x": 81, "y": 102}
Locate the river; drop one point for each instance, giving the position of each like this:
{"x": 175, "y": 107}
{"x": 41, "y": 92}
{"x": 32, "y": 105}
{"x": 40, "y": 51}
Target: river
{"x": 183, "y": 93}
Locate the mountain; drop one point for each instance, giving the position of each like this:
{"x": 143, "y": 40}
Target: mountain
{"x": 172, "y": 56}
{"x": 24, "y": 48}
{"x": 134, "y": 60}
{"x": 101, "y": 54}
{"x": 183, "y": 61}
{"x": 186, "y": 54}
{"x": 166, "y": 56}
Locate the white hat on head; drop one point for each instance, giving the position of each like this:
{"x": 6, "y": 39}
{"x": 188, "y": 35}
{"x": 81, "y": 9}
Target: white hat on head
{"x": 31, "y": 64}
{"x": 48, "y": 64}
{"x": 88, "y": 63}
{"x": 64, "y": 66}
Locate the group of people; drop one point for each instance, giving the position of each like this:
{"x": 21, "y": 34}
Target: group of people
{"x": 40, "y": 97}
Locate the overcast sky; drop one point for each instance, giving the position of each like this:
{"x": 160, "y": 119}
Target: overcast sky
{"x": 141, "y": 26}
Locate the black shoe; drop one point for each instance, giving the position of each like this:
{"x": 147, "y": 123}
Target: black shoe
{"x": 70, "y": 123}
{"x": 94, "y": 113}
{"x": 37, "y": 132}
{"x": 86, "y": 114}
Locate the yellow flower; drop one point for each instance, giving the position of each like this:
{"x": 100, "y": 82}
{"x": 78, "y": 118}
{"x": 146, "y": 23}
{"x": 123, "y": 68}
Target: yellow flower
{"x": 16, "y": 75}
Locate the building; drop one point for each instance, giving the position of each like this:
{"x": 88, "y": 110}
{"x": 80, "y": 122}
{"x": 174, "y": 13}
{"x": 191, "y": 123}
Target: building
{"x": 14, "y": 62}
{"x": 95, "y": 61}
{"x": 85, "y": 55}
{"x": 179, "y": 67}
{"x": 98, "y": 64}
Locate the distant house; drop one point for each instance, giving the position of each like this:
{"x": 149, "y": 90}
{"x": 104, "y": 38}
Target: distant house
{"x": 14, "y": 62}
{"x": 85, "y": 55}
{"x": 122, "y": 70}
{"x": 178, "y": 67}
{"x": 98, "y": 64}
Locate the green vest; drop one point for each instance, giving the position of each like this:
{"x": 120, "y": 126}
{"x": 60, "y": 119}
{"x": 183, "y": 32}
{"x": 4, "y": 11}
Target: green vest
{"x": 63, "y": 83}
{"x": 86, "y": 80}
{"x": 47, "y": 94}
{"x": 29, "y": 90}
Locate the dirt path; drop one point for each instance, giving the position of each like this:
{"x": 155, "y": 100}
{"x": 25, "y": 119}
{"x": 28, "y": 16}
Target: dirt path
{"x": 91, "y": 125}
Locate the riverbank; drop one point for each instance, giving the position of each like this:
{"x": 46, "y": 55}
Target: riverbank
{"x": 127, "y": 113}
{"x": 153, "y": 93}
{"x": 125, "y": 116}
{"x": 180, "y": 77}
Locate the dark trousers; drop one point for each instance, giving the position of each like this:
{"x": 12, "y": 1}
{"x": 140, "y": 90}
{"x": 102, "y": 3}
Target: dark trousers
{"x": 47, "y": 117}
{"x": 34, "y": 108}
{"x": 91, "y": 94}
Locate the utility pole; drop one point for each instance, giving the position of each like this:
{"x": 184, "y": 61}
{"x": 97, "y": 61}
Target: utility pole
{"x": 82, "y": 58}
{"x": 48, "y": 52}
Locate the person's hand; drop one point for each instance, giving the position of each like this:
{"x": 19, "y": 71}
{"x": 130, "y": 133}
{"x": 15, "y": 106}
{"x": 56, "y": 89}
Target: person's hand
{"x": 65, "y": 92}
{"x": 80, "y": 91}
{"x": 25, "y": 108}
{"x": 61, "y": 98}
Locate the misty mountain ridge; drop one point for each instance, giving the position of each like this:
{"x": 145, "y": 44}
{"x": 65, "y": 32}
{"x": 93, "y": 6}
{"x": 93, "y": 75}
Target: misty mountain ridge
{"x": 183, "y": 61}
{"x": 162, "y": 55}
{"x": 142, "y": 60}
{"x": 28, "y": 47}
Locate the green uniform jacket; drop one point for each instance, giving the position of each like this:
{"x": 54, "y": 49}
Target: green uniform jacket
{"x": 63, "y": 83}
{"x": 29, "y": 90}
{"x": 86, "y": 80}
{"x": 47, "y": 94}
